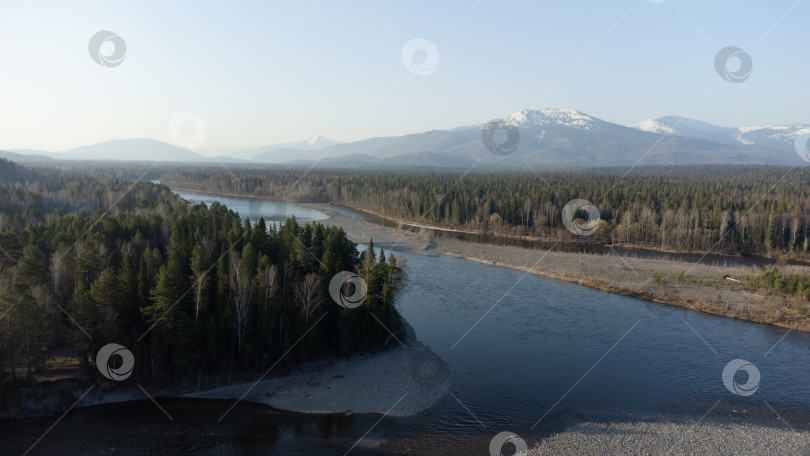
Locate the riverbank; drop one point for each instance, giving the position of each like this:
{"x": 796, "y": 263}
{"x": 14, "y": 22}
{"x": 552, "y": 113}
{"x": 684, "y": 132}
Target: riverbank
{"x": 401, "y": 381}
{"x": 397, "y": 382}
{"x": 676, "y": 438}
{"x": 543, "y": 242}
{"x": 685, "y": 284}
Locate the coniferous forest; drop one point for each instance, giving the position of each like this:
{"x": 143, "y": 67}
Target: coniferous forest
{"x": 190, "y": 290}
{"x": 749, "y": 210}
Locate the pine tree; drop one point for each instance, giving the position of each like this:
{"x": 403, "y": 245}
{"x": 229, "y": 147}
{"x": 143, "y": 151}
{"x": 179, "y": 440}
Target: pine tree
{"x": 32, "y": 268}
{"x": 130, "y": 317}
{"x": 106, "y": 294}
{"x": 33, "y": 332}
{"x": 83, "y": 309}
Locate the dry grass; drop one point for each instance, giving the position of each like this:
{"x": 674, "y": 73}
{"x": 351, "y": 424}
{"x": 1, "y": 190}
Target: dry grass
{"x": 59, "y": 367}
{"x": 679, "y": 283}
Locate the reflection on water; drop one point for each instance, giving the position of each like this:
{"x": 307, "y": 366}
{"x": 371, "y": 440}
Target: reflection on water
{"x": 254, "y": 208}
{"x": 535, "y": 343}
{"x": 141, "y": 428}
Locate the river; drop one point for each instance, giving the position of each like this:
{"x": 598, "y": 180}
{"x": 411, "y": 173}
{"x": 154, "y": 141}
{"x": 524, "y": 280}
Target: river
{"x": 526, "y": 354}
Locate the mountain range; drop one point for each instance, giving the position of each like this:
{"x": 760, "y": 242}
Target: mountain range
{"x": 780, "y": 137}
{"x": 545, "y": 137}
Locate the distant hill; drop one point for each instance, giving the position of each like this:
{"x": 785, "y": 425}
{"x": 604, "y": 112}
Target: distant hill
{"x": 547, "y": 137}
{"x": 419, "y": 160}
{"x": 280, "y": 155}
{"x": 138, "y": 149}
{"x": 684, "y": 126}
{"x": 25, "y": 156}
{"x": 277, "y": 152}
{"x": 779, "y": 137}
{"x": 11, "y": 172}
{"x": 561, "y": 137}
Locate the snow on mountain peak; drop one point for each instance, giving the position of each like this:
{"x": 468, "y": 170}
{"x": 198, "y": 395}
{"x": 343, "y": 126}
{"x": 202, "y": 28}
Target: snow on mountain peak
{"x": 789, "y": 131}
{"x": 564, "y": 117}
{"x": 765, "y": 127}
{"x": 780, "y": 137}
{"x": 653, "y": 126}
{"x": 315, "y": 142}
{"x": 782, "y": 133}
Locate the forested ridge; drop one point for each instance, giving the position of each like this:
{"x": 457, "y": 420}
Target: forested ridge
{"x": 756, "y": 210}
{"x": 189, "y": 290}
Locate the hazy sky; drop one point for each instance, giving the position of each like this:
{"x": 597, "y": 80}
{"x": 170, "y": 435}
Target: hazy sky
{"x": 269, "y": 72}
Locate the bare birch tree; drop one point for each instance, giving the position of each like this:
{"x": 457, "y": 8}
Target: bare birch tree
{"x": 310, "y": 293}
{"x": 243, "y": 288}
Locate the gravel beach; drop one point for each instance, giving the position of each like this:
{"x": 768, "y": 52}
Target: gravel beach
{"x": 664, "y": 437}
{"x": 402, "y": 381}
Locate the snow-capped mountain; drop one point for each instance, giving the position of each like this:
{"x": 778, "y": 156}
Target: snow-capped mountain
{"x": 780, "y": 137}
{"x": 559, "y": 137}
{"x": 543, "y": 137}
{"x": 558, "y": 117}
{"x": 655, "y": 126}
{"x": 684, "y": 126}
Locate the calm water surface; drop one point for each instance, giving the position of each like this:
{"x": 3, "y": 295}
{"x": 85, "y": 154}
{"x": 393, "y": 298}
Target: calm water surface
{"x": 254, "y": 208}
{"x": 537, "y": 347}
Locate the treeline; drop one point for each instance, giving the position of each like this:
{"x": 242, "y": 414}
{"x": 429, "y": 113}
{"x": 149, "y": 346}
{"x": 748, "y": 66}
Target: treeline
{"x": 36, "y": 195}
{"x": 189, "y": 291}
{"x": 775, "y": 281}
{"x": 12, "y": 172}
{"x": 755, "y": 210}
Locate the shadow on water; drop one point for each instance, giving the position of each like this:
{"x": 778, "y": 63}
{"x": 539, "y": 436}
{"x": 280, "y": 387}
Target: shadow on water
{"x": 140, "y": 427}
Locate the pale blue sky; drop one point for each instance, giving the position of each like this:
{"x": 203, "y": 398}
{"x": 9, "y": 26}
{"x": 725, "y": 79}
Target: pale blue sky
{"x": 267, "y": 72}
